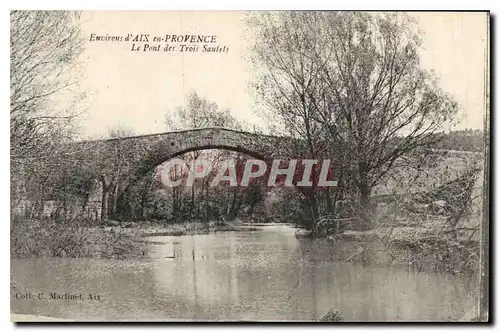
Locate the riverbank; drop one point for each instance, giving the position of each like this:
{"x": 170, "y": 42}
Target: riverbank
{"x": 147, "y": 229}
{"x": 42, "y": 238}
{"x": 158, "y": 228}
{"x": 420, "y": 248}
{"x": 35, "y": 238}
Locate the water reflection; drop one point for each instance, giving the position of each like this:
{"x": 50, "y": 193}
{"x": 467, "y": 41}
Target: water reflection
{"x": 261, "y": 275}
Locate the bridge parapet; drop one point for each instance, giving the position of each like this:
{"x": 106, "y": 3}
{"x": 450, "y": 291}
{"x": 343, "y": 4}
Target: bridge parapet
{"x": 160, "y": 148}
{"x": 144, "y": 153}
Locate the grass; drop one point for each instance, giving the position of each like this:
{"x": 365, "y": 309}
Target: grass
{"x": 37, "y": 238}
{"x": 189, "y": 228}
{"x": 419, "y": 248}
{"x": 421, "y": 238}
{"x": 43, "y": 238}
{"x": 159, "y": 228}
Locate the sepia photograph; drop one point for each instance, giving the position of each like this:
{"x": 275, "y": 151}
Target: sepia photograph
{"x": 249, "y": 166}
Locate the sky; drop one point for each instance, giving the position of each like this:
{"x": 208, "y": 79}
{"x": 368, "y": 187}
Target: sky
{"x": 136, "y": 90}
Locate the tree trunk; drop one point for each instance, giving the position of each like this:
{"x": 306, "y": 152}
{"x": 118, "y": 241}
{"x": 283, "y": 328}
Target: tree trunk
{"x": 231, "y": 215}
{"x": 365, "y": 191}
{"x": 104, "y": 203}
{"x": 250, "y": 210}
{"x": 84, "y": 206}
{"x": 175, "y": 202}
{"x": 104, "y": 200}
{"x": 329, "y": 204}
{"x": 192, "y": 201}
{"x": 144, "y": 200}
{"x": 206, "y": 203}
{"x": 314, "y": 206}
{"x": 114, "y": 199}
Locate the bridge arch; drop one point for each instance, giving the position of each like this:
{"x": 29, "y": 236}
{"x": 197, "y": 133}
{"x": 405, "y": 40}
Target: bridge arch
{"x": 154, "y": 150}
{"x": 171, "y": 145}
{"x": 146, "y": 152}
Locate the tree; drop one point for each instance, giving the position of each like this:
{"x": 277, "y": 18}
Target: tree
{"x": 288, "y": 79}
{"x": 357, "y": 77}
{"x": 44, "y": 46}
{"x": 199, "y": 113}
{"x": 118, "y": 154}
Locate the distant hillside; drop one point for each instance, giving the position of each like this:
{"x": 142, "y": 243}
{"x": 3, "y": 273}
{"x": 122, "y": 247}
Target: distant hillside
{"x": 463, "y": 140}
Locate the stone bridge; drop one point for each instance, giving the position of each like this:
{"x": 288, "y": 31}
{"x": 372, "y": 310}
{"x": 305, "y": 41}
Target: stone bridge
{"x": 146, "y": 152}
{"x": 126, "y": 160}
{"x": 162, "y": 147}
{"x": 119, "y": 163}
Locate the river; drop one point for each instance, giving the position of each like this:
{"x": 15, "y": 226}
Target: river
{"x": 267, "y": 275}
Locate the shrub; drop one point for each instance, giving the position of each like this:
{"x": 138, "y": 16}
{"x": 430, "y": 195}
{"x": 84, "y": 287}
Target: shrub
{"x": 35, "y": 238}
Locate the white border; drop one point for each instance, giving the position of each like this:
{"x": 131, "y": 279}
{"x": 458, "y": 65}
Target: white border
{"x": 257, "y": 5}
